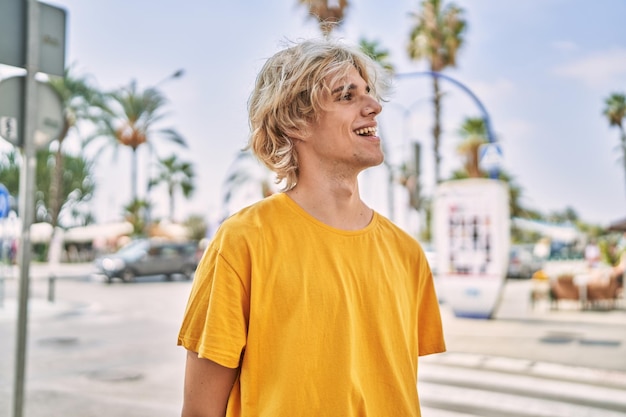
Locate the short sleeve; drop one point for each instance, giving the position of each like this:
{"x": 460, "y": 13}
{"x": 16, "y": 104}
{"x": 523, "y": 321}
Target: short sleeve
{"x": 430, "y": 329}
{"x": 216, "y": 318}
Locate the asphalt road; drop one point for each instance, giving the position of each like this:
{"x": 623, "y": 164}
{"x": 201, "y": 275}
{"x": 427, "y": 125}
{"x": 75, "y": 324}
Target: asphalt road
{"x": 110, "y": 349}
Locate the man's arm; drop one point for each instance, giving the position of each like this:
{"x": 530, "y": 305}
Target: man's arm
{"x": 207, "y": 387}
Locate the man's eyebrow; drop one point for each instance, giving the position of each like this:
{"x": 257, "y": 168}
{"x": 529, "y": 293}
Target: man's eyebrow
{"x": 340, "y": 89}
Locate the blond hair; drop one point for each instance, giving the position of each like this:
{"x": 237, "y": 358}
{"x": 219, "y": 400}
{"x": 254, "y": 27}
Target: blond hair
{"x": 288, "y": 96}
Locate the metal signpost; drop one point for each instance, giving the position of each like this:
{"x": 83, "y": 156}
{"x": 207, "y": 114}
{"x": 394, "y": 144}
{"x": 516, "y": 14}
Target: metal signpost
{"x": 471, "y": 228}
{"x": 32, "y": 36}
{"x": 471, "y": 223}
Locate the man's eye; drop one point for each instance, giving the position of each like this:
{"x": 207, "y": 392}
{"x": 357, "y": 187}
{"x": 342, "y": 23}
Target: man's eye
{"x": 346, "y": 97}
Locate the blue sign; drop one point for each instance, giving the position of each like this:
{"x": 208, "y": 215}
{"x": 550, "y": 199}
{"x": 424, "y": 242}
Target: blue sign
{"x": 490, "y": 157}
{"x": 5, "y": 205}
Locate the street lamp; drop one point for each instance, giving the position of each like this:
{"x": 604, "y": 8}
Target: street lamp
{"x": 179, "y": 73}
{"x": 490, "y": 135}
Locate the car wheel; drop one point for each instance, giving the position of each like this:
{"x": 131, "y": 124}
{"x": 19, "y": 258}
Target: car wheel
{"x": 128, "y": 275}
{"x": 188, "y": 271}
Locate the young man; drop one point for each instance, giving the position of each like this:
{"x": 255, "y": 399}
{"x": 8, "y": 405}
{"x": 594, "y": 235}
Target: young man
{"x": 309, "y": 303}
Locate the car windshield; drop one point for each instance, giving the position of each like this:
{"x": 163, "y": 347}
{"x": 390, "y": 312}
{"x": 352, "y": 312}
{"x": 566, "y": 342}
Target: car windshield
{"x": 134, "y": 248}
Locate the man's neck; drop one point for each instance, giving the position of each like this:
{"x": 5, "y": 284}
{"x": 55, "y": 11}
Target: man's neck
{"x": 338, "y": 205}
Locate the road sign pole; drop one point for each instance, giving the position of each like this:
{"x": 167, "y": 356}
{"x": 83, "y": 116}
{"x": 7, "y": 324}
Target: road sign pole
{"x": 27, "y": 195}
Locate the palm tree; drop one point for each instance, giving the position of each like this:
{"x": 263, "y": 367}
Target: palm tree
{"x": 80, "y": 103}
{"x": 437, "y": 37}
{"x": 131, "y": 118}
{"x": 176, "y": 174}
{"x": 474, "y": 133}
{"x": 377, "y": 53}
{"x": 328, "y": 13}
{"x": 76, "y": 190}
{"x": 615, "y": 111}
{"x": 133, "y": 215}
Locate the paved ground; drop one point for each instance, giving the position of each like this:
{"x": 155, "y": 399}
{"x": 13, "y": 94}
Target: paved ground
{"x": 567, "y": 336}
{"x": 109, "y": 350}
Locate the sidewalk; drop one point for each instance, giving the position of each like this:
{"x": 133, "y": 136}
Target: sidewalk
{"x": 109, "y": 350}
{"x": 41, "y": 289}
{"x": 568, "y": 341}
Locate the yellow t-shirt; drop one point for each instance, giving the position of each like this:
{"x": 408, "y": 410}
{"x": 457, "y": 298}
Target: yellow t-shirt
{"x": 331, "y": 322}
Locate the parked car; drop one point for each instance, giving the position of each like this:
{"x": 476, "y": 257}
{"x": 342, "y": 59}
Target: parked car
{"x": 143, "y": 257}
{"x": 522, "y": 262}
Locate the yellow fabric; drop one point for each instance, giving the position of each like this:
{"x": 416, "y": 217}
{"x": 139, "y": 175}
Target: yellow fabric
{"x": 332, "y": 322}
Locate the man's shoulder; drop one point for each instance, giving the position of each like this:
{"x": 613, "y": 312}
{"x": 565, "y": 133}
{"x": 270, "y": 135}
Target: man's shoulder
{"x": 256, "y": 215}
{"x": 393, "y": 231}
{"x": 261, "y": 207}
{"x": 391, "y": 227}
{"x": 251, "y": 226}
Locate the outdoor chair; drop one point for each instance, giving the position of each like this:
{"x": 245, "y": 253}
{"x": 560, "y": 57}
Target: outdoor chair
{"x": 605, "y": 292}
{"x": 563, "y": 288}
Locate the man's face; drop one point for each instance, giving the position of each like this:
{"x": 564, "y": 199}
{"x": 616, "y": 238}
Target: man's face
{"x": 344, "y": 136}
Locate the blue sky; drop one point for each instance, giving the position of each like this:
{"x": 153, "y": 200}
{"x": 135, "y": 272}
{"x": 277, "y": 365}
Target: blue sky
{"x": 542, "y": 69}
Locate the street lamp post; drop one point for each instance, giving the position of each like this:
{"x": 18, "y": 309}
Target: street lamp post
{"x": 490, "y": 135}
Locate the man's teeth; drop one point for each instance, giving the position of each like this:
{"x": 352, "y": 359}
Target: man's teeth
{"x": 366, "y": 131}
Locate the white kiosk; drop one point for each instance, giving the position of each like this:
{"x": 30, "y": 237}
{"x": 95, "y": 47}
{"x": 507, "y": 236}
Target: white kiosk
{"x": 472, "y": 238}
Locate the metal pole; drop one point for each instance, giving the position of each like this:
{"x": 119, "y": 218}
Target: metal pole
{"x": 2, "y": 278}
{"x": 481, "y": 107}
{"x": 27, "y": 187}
{"x": 490, "y": 135}
{"x": 51, "y": 288}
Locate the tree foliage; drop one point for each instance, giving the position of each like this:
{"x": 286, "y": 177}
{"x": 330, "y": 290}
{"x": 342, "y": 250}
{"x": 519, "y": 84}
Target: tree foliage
{"x": 134, "y": 214}
{"x": 473, "y": 133}
{"x": 76, "y": 189}
{"x": 131, "y": 118}
{"x": 615, "y": 112}
{"x": 176, "y": 175}
{"x": 379, "y": 54}
{"x": 81, "y": 102}
{"x": 436, "y": 37}
{"x": 328, "y": 13}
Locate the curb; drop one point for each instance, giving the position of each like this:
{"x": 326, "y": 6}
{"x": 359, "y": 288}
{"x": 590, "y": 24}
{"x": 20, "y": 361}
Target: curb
{"x": 546, "y": 370}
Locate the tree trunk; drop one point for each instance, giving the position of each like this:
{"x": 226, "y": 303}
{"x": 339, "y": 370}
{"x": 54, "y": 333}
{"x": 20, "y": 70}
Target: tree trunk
{"x": 133, "y": 175}
{"x": 623, "y": 131}
{"x": 473, "y": 168}
{"x": 437, "y": 129}
{"x": 55, "y": 188}
{"x": 56, "y": 184}
{"x": 171, "y": 193}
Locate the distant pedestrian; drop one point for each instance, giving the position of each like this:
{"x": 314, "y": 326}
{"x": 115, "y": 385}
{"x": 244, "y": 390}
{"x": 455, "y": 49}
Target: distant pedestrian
{"x": 542, "y": 248}
{"x": 309, "y": 303}
{"x": 592, "y": 254}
